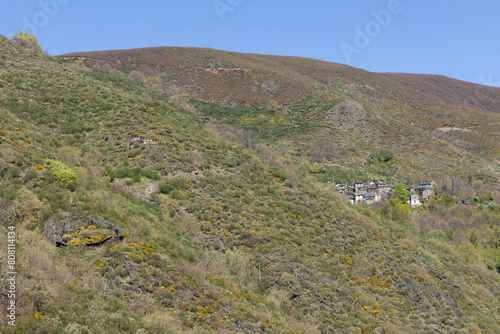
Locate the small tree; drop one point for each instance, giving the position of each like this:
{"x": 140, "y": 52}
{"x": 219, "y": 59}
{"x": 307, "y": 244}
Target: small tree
{"x": 489, "y": 196}
{"x": 399, "y": 204}
{"x": 180, "y": 101}
{"x": 27, "y": 41}
{"x": 447, "y": 200}
{"x": 107, "y": 68}
{"x": 69, "y": 155}
{"x": 137, "y": 77}
{"x": 153, "y": 81}
{"x": 402, "y": 193}
{"x": 110, "y": 174}
{"x": 249, "y": 138}
{"x": 386, "y": 155}
{"x": 27, "y": 204}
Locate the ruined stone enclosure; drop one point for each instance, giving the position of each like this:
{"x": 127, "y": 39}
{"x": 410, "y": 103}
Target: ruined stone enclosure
{"x": 82, "y": 230}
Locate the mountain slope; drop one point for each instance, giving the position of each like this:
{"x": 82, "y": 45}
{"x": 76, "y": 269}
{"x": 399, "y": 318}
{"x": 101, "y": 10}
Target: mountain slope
{"x": 242, "y": 76}
{"x": 451, "y": 91}
{"x": 218, "y": 237}
{"x": 209, "y": 73}
{"x": 395, "y": 114}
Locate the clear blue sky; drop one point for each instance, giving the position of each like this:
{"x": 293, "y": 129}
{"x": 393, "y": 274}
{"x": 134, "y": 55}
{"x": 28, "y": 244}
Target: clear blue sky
{"x": 459, "y": 39}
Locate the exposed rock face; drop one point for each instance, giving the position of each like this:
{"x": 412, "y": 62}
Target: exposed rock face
{"x": 270, "y": 85}
{"x": 145, "y": 195}
{"x": 347, "y": 114}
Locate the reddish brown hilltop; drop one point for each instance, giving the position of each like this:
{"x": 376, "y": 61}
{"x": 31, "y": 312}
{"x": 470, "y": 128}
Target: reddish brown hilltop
{"x": 211, "y": 74}
{"x": 451, "y": 91}
{"x": 253, "y": 79}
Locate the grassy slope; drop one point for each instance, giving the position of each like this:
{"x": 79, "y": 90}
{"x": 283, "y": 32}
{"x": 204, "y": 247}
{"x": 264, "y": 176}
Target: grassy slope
{"x": 402, "y": 113}
{"x": 239, "y": 245}
{"x": 351, "y": 128}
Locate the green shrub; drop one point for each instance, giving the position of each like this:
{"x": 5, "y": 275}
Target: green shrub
{"x": 172, "y": 213}
{"x": 20, "y": 161}
{"x": 109, "y": 172}
{"x": 136, "y": 178}
{"x": 447, "y": 200}
{"x": 128, "y": 172}
{"x": 192, "y": 207}
{"x": 15, "y": 172}
{"x": 30, "y": 175}
{"x": 278, "y": 173}
{"x": 121, "y": 173}
{"x": 494, "y": 207}
{"x": 489, "y": 196}
{"x": 48, "y": 177}
{"x": 72, "y": 128}
{"x": 72, "y": 185}
{"x": 174, "y": 183}
{"x": 188, "y": 254}
{"x": 176, "y": 194}
{"x": 385, "y": 155}
{"x": 150, "y": 173}
{"x": 61, "y": 172}
{"x": 437, "y": 234}
{"x": 134, "y": 153}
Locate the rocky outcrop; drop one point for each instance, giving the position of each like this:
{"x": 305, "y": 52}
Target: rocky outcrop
{"x": 57, "y": 232}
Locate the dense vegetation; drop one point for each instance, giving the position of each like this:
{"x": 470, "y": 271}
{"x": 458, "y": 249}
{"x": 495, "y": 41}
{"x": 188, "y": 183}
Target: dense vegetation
{"x": 230, "y": 224}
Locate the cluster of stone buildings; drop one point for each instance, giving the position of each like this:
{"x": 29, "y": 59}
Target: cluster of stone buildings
{"x": 374, "y": 191}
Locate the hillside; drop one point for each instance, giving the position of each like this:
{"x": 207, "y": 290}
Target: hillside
{"x": 451, "y": 91}
{"x": 345, "y": 105}
{"x": 245, "y": 79}
{"x": 249, "y": 79}
{"x": 216, "y": 218}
